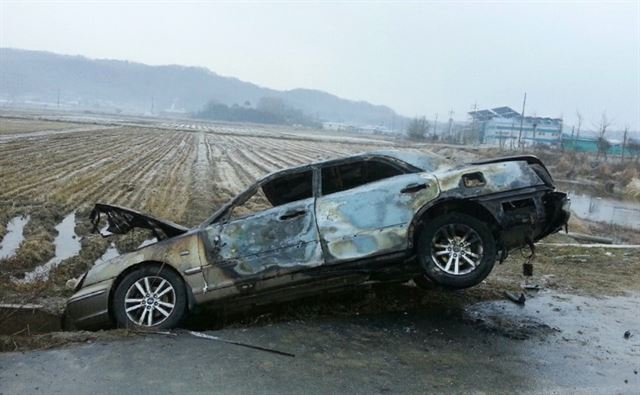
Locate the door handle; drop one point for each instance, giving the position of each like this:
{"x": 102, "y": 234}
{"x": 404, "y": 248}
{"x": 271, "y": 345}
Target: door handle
{"x": 411, "y": 188}
{"x": 292, "y": 214}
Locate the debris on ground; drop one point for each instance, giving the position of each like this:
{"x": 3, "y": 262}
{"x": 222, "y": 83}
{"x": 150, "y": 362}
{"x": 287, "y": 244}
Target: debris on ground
{"x": 237, "y": 343}
{"x": 590, "y": 238}
{"x": 532, "y": 287}
{"x": 521, "y": 299}
{"x": 627, "y": 334}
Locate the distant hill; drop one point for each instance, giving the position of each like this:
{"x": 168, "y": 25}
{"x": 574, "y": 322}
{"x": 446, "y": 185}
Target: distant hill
{"x": 114, "y": 84}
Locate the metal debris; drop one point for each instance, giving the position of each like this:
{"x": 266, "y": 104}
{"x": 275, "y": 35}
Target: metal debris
{"x": 521, "y": 299}
{"x": 237, "y": 343}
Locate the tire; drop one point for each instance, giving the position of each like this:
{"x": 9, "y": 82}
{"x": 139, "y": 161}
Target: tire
{"x": 166, "y": 304}
{"x": 447, "y": 257}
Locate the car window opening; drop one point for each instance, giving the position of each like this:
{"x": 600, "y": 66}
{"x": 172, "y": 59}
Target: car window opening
{"x": 276, "y": 192}
{"x": 351, "y": 175}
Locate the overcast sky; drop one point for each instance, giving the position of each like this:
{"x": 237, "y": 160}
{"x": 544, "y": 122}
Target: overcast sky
{"x": 419, "y": 58}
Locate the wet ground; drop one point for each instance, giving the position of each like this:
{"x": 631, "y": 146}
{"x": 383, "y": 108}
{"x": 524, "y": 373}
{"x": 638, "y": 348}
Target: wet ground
{"x": 605, "y": 209}
{"x": 11, "y": 241}
{"x": 555, "y": 343}
{"x": 67, "y": 244}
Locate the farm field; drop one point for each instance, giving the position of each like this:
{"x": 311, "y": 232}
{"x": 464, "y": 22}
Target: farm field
{"x": 11, "y": 126}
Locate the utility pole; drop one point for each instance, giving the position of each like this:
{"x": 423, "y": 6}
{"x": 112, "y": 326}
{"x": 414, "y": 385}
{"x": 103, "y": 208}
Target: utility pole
{"x": 473, "y": 120}
{"x": 624, "y": 142}
{"x": 524, "y": 102}
{"x": 152, "y": 105}
{"x": 560, "y": 141}
{"x": 58, "y": 102}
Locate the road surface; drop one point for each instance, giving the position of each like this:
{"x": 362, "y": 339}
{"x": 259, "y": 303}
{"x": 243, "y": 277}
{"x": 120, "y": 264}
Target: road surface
{"x": 554, "y": 344}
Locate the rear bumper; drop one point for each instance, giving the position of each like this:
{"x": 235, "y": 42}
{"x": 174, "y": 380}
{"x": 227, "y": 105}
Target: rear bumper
{"x": 89, "y": 307}
{"x": 528, "y": 217}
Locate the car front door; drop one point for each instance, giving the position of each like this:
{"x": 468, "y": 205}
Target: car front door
{"x": 260, "y": 245}
{"x": 366, "y": 208}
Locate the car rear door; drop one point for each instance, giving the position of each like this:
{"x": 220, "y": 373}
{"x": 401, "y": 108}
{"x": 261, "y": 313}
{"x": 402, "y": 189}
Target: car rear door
{"x": 366, "y": 207}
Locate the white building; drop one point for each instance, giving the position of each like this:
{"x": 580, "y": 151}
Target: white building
{"x": 503, "y": 126}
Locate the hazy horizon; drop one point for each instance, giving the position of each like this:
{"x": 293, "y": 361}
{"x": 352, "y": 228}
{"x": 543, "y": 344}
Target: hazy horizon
{"x": 417, "y": 58}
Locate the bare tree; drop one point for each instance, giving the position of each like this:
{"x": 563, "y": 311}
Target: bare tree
{"x": 603, "y": 143}
{"x": 578, "y": 126}
{"x": 634, "y": 148}
{"x": 418, "y": 128}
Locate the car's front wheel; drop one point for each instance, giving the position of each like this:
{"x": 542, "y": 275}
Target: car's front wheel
{"x": 456, "y": 250}
{"x": 151, "y": 297}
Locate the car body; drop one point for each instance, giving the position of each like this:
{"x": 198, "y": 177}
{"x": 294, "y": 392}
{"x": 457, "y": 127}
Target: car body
{"x": 326, "y": 226}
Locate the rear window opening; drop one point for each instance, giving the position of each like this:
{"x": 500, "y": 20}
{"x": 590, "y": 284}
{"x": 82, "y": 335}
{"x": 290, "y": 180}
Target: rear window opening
{"x": 351, "y": 175}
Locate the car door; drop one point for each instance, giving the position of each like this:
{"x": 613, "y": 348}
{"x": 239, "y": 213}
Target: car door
{"x": 269, "y": 243}
{"x": 366, "y": 207}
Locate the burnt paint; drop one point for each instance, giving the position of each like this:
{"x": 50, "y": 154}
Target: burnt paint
{"x": 266, "y": 244}
{"x": 371, "y": 219}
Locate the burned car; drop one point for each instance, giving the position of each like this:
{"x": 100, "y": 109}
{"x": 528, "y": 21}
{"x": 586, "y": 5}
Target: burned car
{"x": 327, "y": 226}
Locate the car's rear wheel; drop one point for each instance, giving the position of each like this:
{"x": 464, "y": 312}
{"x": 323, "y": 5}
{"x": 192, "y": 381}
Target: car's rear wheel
{"x": 151, "y": 297}
{"x": 456, "y": 250}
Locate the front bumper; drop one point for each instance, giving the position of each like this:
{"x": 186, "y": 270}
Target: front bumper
{"x": 89, "y": 307}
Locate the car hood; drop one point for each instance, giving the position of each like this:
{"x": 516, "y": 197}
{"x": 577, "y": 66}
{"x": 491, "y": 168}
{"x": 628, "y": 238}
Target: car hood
{"x": 122, "y": 220}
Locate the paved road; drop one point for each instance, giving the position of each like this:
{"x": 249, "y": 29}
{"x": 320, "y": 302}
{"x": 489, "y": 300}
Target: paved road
{"x": 555, "y": 344}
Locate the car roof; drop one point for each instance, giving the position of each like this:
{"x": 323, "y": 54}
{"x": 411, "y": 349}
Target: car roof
{"x": 412, "y": 158}
{"x": 387, "y": 154}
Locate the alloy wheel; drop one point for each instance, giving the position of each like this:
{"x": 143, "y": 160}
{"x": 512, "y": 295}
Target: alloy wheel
{"x": 456, "y": 249}
{"x": 149, "y": 301}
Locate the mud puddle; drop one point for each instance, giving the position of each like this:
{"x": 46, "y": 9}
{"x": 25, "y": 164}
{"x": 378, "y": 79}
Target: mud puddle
{"x": 67, "y": 245}
{"x": 13, "y": 237}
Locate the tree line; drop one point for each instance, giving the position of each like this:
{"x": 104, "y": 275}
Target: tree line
{"x": 269, "y": 110}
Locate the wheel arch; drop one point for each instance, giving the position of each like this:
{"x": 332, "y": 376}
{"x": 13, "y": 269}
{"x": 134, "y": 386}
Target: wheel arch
{"x": 118, "y": 279}
{"x": 447, "y": 205}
